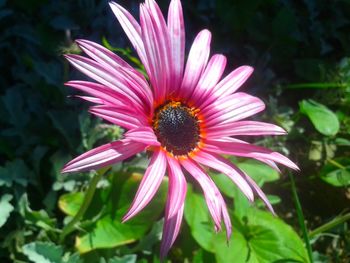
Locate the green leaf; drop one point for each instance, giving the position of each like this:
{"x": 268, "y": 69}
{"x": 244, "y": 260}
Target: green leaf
{"x": 15, "y": 172}
{"x": 43, "y": 252}
{"x": 257, "y": 236}
{"x": 323, "y": 119}
{"x": 5, "y": 208}
{"x": 269, "y": 239}
{"x": 337, "y": 172}
{"x": 39, "y": 218}
{"x": 259, "y": 172}
{"x": 113, "y": 201}
{"x": 71, "y": 202}
{"x": 124, "y": 259}
{"x": 197, "y": 217}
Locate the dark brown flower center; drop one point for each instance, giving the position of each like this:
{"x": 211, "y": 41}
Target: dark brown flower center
{"x": 177, "y": 127}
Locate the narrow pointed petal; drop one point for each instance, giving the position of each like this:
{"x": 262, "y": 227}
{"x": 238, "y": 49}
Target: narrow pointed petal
{"x": 196, "y": 62}
{"x": 177, "y": 42}
{"x": 149, "y": 185}
{"x": 107, "y": 95}
{"x": 108, "y": 58}
{"x": 106, "y": 76}
{"x": 218, "y": 163}
{"x": 132, "y": 29}
{"x": 90, "y": 99}
{"x": 227, "y": 220}
{"x": 177, "y": 186}
{"x": 260, "y": 193}
{"x": 174, "y": 206}
{"x": 249, "y": 151}
{"x": 103, "y": 55}
{"x": 245, "y": 128}
{"x": 231, "y": 108}
{"x": 233, "y": 81}
{"x": 104, "y": 155}
{"x": 156, "y": 41}
{"x": 270, "y": 163}
{"x": 209, "y": 190}
{"x": 170, "y": 231}
{"x": 209, "y": 78}
{"x": 119, "y": 116}
{"x": 144, "y": 135}
{"x": 230, "y": 84}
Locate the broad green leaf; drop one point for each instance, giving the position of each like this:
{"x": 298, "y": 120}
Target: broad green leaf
{"x": 323, "y": 119}
{"x": 259, "y": 172}
{"x": 224, "y": 183}
{"x": 113, "y": 201}
{"x": 5, "y": 208}
{"x": 269, "y": 239}
{"x": 257, "y": 236}
{"x": 43, "y": 252}
{"x": 70, "y": 203}
{"x": 337, "y": 172}
{"x": 197, "y": 217}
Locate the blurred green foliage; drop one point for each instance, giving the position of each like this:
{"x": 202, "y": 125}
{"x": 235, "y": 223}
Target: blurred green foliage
{"x": 301, "y": 54}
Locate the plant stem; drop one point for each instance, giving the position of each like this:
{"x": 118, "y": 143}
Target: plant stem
{"x": 84, "y": 206}
{"x": 333, "y": 223}
{"x": 301, "y": 219}
{"x": 336, "y": 164}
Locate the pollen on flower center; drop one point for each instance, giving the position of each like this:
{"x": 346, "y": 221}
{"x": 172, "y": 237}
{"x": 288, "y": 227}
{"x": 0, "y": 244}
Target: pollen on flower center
{"x": 177, "y": 128}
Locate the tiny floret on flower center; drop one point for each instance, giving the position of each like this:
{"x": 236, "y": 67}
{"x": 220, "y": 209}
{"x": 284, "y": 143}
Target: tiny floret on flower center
{"x": 177, "y": 127}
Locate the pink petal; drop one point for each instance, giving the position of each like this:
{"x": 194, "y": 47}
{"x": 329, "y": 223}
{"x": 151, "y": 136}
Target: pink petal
{"x": 119, "y": 116}
{"x": 249, "y": 151}
{"x": 209, "y": 78}
{"x": 270, "y": 163}
{"x": 196, "y": 62}
{"x": 225, "y": 214}
{"x": 233, "y": 81}
{"x": 174, "y": 206}
{"x": 104, "y": 155}
{"x": 107, "y": 95}
{"x": 91, "y": 99}
{"x": 171, "y": 229}
{"x": 260, "y": 194}
{"x": 231, "y": 108}
{"x": 132, "y": 29}
{"x": 156, "y": 40}
{"x": 143, "y": 135}
{"x": 220, "y": 164}
{"x": 106, "y": 76}
{"x": 108, "y": 58}
{"x": 227, "y": 220}
{"x": 177, "y": 185}
{"x": 243, "y": 128}
{"x": 104, "y": 55}
{"x": 177, "y": 41}
{"x": 209, "y": 189}
{"x": 229, "y": 84}
{"x": 149, "y": 185}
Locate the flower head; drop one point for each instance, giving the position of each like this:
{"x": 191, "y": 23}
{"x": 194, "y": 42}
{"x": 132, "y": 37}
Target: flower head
{"x": 186, "y": 115}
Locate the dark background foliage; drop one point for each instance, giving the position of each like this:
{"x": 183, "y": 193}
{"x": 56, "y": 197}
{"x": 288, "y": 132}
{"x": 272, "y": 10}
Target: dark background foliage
{"x": 300, "y": 51}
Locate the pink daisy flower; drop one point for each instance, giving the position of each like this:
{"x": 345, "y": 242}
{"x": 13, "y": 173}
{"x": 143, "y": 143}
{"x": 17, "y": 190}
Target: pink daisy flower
{"x": 186, "y": 115}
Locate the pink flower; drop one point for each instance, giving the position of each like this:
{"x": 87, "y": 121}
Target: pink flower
{"x": 185, "y": 115}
